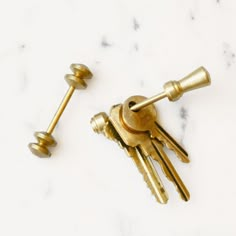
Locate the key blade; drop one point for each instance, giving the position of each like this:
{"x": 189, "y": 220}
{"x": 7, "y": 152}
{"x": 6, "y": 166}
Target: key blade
{"x": 169, "y": 170}
{"x": 142, "y": 162}
{"x": 170, "y": 142}
{"x": 150, "y": 175}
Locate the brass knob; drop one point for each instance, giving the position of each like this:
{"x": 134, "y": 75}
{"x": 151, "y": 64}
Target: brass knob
{"x": 173, "y": 90}
{"x": 197, "y": 79}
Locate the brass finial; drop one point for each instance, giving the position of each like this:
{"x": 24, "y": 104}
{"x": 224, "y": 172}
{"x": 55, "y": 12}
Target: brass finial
{"x": 173, "y": 90}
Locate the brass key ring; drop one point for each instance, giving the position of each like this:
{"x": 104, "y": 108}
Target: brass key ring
{"x": 133, "y": 125}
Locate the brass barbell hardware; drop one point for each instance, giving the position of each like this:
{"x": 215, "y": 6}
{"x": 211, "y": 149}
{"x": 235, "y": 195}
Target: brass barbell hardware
{"x": 173, "y": 90}
{"x": 75, "y": 81}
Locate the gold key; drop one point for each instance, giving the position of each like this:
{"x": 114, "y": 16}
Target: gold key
{"x": 134, "y": 126}
{"x": 101, "y": 123}
{"x": 126, "y": 124}
{"x": 145, "y": 121}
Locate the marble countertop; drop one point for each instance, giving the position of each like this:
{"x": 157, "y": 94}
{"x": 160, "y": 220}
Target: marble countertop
{"x": 89, "y": 186}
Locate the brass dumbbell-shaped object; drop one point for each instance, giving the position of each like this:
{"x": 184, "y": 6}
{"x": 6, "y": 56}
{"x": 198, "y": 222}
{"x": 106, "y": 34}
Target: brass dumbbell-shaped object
{"x": 75, "y": 81}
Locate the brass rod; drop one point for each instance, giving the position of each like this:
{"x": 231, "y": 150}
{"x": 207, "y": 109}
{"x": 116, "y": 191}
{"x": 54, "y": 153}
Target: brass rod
{"x": 60, "y": 110}
{"x": 148, "y": 101}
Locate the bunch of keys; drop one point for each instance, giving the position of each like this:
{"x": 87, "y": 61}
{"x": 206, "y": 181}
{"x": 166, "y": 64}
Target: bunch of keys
{"x": 134, "y": 126}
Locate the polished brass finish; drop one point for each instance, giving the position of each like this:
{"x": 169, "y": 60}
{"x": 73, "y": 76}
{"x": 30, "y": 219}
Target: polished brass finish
{"x": 143, "y": 138}
{"x": 173, "y": 90}
{"x": 101, "y": 124}
{"x": 75, "y": 81}
{"x": 138, "y": 134}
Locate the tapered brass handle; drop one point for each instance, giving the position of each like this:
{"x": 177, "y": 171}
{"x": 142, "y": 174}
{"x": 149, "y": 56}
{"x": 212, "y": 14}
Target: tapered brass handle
{"x": 197, "y": 79}
{"x": 173, "y": 90}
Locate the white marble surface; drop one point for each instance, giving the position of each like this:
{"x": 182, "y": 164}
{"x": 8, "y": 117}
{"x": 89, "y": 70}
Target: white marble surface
{"x": 89, "y": 186}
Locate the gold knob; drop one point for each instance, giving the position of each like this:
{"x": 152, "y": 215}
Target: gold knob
{"x": 197, "y": 79}
{"x": 173, "y": 90}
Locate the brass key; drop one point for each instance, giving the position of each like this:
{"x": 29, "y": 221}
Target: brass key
{"x": 145, "y": 120}
{"x": 101, "y": 123}
{"x": 134, "y": 126}
{"x": 139, "y": 144}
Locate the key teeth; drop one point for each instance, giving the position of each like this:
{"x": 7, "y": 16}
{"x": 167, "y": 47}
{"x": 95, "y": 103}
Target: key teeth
{"x": 111, "y": 134}
{"x": 184, "y": 160}
{"x": 163, "y": 197}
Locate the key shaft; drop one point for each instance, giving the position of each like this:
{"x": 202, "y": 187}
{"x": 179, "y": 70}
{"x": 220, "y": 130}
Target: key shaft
{"x": 169, "y": 170}
{"x": 158, "y": 132}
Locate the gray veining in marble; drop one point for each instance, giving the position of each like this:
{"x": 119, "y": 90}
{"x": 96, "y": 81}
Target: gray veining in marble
{"x": 89, "y": 186}
{"x": 105, "y": 43}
